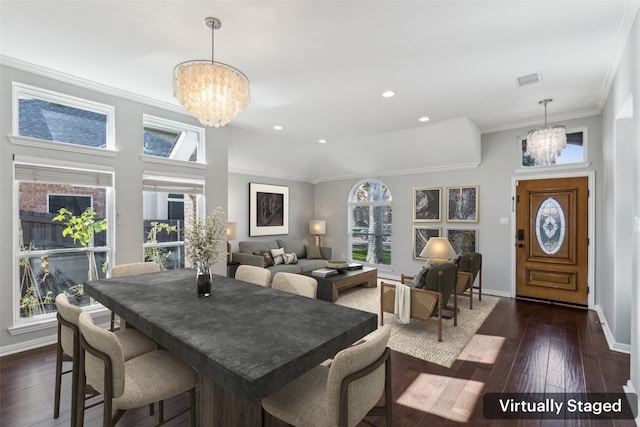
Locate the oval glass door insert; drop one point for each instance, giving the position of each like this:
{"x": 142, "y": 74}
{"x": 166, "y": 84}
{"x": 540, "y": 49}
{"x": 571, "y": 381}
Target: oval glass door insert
{"x": 550, "y": 226}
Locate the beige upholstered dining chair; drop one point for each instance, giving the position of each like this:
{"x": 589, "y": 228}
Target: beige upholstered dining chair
{"x": 253, "y": 274}
{"x": 295, "y": 284}
{"x": 132, "y": 342}
{"x": 130, "y": 270}
{"x": 342, "y": 394}
{"x": 127, "y": 384}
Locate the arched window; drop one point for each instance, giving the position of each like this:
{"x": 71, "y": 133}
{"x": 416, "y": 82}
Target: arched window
{"x": 370, "y": 222}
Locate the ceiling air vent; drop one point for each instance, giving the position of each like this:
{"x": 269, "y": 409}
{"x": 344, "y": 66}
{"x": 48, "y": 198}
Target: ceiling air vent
{"x": 529, "y": 79}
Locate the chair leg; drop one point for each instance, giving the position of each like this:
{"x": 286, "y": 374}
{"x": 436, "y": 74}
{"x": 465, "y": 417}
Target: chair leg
{"x": 192, "y": 407}
{"x": 56, "y": 404}
{"x": 471, "y": 297}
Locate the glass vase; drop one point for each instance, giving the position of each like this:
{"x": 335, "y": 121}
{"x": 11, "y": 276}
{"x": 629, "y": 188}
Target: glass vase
{"x": 203, "y": 281}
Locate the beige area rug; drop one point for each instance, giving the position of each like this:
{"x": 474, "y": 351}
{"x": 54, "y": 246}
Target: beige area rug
{"x": 420, "y": 339}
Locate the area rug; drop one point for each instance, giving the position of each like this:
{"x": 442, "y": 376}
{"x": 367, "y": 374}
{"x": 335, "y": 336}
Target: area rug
{"x": 420, "y": 339}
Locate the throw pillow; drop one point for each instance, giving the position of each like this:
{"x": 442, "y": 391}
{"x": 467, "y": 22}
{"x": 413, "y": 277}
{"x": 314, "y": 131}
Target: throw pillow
{"x": 290, "y": 258}
{"x": 419, "y": 279}
{"x": 313, "y": 251}
{"x": 266, "y": 255}
{"x": 277, "y": 255}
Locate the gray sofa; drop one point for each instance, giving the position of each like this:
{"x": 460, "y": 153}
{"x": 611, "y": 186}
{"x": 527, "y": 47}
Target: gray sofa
{"x": 248, "y": 254}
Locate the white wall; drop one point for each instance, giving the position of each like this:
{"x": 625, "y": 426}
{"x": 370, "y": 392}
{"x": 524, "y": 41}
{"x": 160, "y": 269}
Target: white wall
{"x": 301, "y": 206}
{"x": 621, "y": 157}
{"x": 494, "y": 176}
{"x": 128, "y": 181}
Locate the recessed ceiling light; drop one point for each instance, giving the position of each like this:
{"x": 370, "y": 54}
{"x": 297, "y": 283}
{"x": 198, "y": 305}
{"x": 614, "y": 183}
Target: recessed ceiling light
{"x": 322, "y": 141}
{"x": 424, "y": 119}
{"x": 277, "y": 127}
{"x": 388, "y": 94}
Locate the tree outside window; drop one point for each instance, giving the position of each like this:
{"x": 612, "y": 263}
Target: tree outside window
{"x": 370, "y": 222}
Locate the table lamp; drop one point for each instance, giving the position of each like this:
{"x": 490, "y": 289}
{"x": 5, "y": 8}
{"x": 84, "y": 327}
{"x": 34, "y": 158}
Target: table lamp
{"x": 318, "y": 227}
{"x": 232, "y": 231}
{"x": 438, "y": 250}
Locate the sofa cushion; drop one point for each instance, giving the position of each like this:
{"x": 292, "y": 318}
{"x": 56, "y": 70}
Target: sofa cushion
{"x": 307, "y": 265}
{"x": 294, "y": 246}
{"x": 268, "y": 260}
{"x": 249, "y": 247}
{"x": 313, "y": 251}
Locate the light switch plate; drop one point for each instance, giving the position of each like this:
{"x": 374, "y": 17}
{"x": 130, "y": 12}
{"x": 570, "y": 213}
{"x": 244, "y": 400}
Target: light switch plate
{"x": 504, "y": 220}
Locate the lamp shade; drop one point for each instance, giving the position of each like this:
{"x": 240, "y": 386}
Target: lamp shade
{"x": 438, "y": 250}
{"x": 317, "y": 227}
{"x": 232, "y": 230}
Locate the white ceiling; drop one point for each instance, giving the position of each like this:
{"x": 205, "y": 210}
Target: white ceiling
{"x": 318, "y": 68}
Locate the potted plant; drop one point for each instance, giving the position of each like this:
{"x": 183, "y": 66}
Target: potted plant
{"x": 206, "y": 245}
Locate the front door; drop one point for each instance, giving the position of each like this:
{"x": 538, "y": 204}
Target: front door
{"x": 552, "y": 239}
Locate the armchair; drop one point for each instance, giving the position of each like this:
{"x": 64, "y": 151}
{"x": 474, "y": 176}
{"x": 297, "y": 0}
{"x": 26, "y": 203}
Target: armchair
{"x": 427, "y": 302}
{"x": 469, "y": 267}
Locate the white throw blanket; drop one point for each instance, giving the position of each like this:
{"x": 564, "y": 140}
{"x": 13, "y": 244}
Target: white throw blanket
{"x": 402, "y": 308}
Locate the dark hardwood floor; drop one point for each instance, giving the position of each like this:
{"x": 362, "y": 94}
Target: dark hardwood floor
{"x": 522, "y": 347}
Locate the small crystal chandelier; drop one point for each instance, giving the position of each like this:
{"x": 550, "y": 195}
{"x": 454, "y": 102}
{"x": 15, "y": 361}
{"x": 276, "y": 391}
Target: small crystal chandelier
{"x": 545, "y": 144}
{"x": 213, "y": 92}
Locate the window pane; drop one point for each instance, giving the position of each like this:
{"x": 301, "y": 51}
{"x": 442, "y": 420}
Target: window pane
{"x": 172, "y": 140}
{"x": 371, "y": 221}
{"x": 164, "y": 215}
{"x": 61, "y": 123}
{"x": 47, "y": 266}
{"x": 573, "y": 152}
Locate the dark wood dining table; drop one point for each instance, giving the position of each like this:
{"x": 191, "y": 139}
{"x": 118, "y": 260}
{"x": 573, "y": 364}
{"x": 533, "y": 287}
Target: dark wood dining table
{"x": 246, "y": 341}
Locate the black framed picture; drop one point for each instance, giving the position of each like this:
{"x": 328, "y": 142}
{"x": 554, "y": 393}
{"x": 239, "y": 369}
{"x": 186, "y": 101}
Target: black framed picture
{"x": 268, "y": 209}
{"x": 427, "y": 206}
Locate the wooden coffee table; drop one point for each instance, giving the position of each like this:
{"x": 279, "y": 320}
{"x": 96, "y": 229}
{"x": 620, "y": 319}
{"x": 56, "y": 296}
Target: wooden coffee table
{"x": 328, "y": 287}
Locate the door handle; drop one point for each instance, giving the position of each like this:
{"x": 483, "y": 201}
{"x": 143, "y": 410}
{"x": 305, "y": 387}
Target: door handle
{"x": 520, "y": 234}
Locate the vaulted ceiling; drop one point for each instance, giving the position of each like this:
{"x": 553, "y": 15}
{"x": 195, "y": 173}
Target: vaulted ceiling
{"x": 318, "y": 68}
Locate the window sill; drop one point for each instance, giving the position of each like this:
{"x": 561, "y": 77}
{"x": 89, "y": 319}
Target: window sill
{"x": 49, "y": 321}
{"x": 163, "y": 161}
{"x": 61, "y": 146}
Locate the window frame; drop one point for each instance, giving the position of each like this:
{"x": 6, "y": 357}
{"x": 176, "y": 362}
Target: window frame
{"x": 167, "y": 183}
{"x": 520, "y": 168}
{"x": 30, "y": 324}
{"x": 350, "y": 207}
{"x": 21, "y": 90}
{"x": 160, "y": 123}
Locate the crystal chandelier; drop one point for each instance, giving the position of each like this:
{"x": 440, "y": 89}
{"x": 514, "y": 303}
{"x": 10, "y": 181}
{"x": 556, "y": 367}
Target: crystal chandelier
{"x": 545, "y": 144}
{"x": 213, "y": 92}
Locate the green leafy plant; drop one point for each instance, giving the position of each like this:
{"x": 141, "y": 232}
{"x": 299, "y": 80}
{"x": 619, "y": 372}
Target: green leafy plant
{"x": 82, "y": 229}
{"x": 155, "y": 253}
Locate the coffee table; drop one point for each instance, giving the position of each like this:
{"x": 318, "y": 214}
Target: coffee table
{"x": 328, "y": 287}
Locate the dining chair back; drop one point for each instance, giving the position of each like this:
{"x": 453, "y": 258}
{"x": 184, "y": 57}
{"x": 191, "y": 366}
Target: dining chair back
{"x": 131, "y": 269}
{"x": 342, "y": 394}
{"x": 295, "y": 283}
{"x": 253, "y": 274}
{"x": 132, "y": 342}
{"x": 127, "y": 384}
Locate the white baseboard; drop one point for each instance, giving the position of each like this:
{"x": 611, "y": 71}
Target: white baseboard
{"x": 629, "y": 388}
{"x": 613, "y": 345}
{"x": 27, "y": 345}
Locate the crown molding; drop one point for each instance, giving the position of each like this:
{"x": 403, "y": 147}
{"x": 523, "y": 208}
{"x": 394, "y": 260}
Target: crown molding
{"x": 88, "y": 84}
